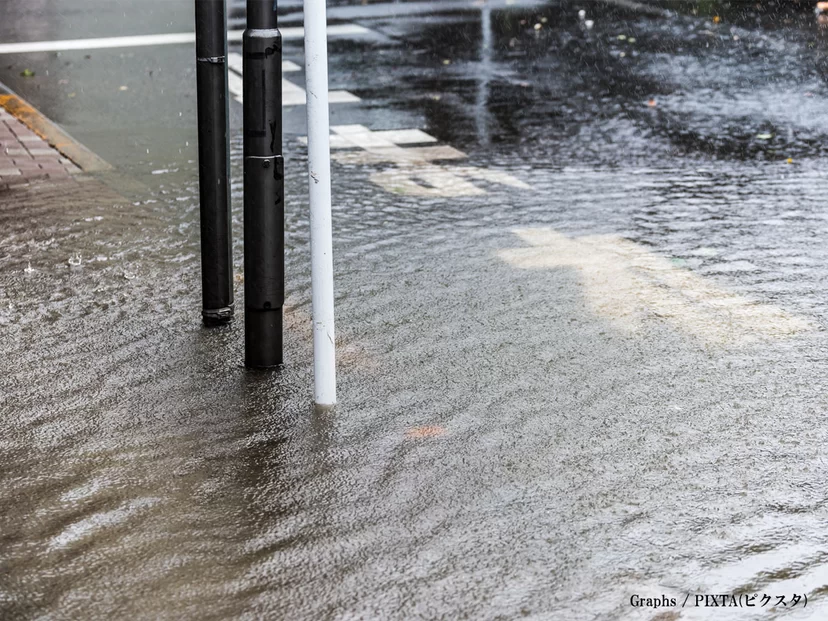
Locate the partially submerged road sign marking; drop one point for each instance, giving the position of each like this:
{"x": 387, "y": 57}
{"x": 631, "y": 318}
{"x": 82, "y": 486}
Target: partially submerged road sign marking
{"x": 292, "y": 95}
{"x": 628, "y": 284}
{"x": 415, "y": 170}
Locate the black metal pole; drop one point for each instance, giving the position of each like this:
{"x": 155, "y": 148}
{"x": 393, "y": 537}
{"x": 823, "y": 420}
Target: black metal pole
{"x": 214, "y": 161}
{"x": 264, "y": 189}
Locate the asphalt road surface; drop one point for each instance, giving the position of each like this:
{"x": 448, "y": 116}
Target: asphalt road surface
{"x": 581, "y": 289}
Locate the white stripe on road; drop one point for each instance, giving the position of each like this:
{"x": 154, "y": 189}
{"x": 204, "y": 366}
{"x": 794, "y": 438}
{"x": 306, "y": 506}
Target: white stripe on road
{"x": 236, "y": 63}
{"x": 415, "y": 172}
{"x": 338, "y": 30}
{"x": 397, "y": 136}
{"x": 429, "y": 179}
{"x": 628, "y": 284}
{"x": 292, "y": 95}
{"x": 235, "y": 85}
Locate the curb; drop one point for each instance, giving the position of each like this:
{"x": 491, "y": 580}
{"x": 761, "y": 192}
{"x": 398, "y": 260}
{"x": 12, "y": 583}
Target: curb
{"x": 70, "y": 148}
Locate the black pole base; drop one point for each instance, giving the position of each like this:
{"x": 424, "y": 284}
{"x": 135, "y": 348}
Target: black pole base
{"x": 218, "y": 316}
{"x": 263, "y": 338}
{"x": 214, "y": 161}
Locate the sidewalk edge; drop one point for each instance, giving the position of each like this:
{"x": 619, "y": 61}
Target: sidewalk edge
{"x": 70, "y": 148}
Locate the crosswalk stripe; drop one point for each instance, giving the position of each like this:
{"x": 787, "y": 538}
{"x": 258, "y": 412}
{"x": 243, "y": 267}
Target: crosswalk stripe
{"x": 292, "y": 94}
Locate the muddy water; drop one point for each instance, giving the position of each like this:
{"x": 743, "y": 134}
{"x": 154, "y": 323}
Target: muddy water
{"x": 505, "y": 445}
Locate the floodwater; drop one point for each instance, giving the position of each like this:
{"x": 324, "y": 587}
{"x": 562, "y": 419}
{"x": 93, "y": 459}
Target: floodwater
{"x": 611, "y": 383}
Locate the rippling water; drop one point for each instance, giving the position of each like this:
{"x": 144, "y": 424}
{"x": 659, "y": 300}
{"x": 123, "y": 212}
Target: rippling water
{"x": 501, "y": 448}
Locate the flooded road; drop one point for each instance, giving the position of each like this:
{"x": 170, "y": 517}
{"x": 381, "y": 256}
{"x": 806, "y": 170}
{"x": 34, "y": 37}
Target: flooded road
{"x": 580, "y": 323}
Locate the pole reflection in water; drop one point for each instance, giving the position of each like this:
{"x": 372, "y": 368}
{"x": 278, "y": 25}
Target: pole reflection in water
{"x": 481, "y": 114}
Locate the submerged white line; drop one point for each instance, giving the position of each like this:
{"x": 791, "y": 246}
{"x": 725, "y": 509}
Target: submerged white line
{"x": 292, "y": 94}
{"x": 416, "y": 171}
{"x": 338, "y": 30}
{"x": 235, "y": 85}
{"x": 235, "y": 62}
{"x": 632, "y": 286}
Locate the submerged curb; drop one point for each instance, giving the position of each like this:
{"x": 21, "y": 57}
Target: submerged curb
{"x": 70, "y": 148}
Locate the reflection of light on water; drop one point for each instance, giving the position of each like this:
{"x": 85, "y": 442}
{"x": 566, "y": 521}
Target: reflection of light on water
{"x": 94, "y": 523}
{"x": 481, "y": 115}
{"x": 625, "y": 282}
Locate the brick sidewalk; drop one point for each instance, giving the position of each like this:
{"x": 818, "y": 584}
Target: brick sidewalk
{"x": 24, "y": 156}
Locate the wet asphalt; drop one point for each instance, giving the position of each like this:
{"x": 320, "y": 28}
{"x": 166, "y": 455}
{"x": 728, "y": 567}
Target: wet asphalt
{"x": 519, "y": 434}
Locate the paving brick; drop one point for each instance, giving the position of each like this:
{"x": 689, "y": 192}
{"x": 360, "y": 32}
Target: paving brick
{"x": 15, "y": 180}
{"x": 32, "y": 172}
{"x": 18, "y": 129}
{"x": 36, "y": 174}
{"x": 37, "y": 144}
{"x": 49, "y": 152}
{"x": 49, "y": 161}
{"x": 25, "y": 157}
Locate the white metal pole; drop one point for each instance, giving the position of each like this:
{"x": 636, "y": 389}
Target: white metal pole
{"x": 319, "y": 180}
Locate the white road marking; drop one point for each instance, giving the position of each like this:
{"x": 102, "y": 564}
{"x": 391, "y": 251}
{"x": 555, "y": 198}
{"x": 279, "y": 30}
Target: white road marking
{"x": 235, "y": 85}
{"x": 406, "y": 136}
{"x": 398, "y": 155}
{"x": 338, "y": 30}
{"x": 442, "y": 180}
{"x": 380, "y": 147}
{"x": 292, "y": 95}
{"x": 414, "y": 172}
{"x": 398, "y": 136}
{"x": 235, "y": 62}
{"x": 628, "y": 284}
